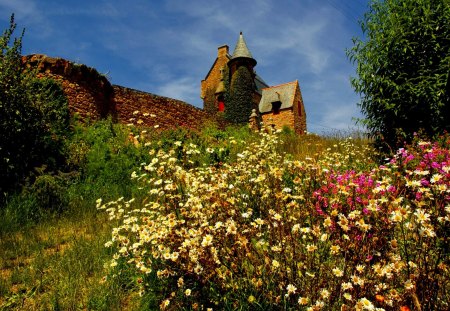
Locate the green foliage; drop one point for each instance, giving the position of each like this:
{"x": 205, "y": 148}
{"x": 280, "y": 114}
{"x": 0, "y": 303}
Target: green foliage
{"x": 403, "y": 69}
{"x": 105, "y": 157}
{"x": 33, "y": 117}
{"x": 226, "y": 85}
{"x": 209, "y": 102}
{"x": 240, "y": 105}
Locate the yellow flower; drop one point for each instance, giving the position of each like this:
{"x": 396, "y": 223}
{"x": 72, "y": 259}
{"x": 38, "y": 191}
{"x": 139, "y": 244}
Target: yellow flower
{"x": 303, "y": 301}
{"x": 346, "y": 285}
{"x": 291, "y": 289}
{"x": 324, "y": 293}
{"x": 409, "y": 285}
{"x": 275, "y": 264}
{"x": 207, "y": 240}
{"x": 421, "y": 215}
{"x": 338, "y": 272}
{"x": 311, "y": 247}
{"x": 366, "y": 304}
{"x": 335, "y": 249}
{"x": 164, "y": 304}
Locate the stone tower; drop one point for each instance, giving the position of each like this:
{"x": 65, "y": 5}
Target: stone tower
{"x": 241, "y": 57}
{"x": 213, "y": 86}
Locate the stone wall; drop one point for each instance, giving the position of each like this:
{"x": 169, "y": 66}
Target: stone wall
{"x": 283, "y": 118}
{"x": 299, "y": 113}
{"x": 91, "y": 96}
{"x": 87, "y": 91}
{"x": 138, "y": 107}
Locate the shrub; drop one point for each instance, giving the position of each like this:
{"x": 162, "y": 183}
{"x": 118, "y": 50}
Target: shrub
{"x": 34, "y": 117}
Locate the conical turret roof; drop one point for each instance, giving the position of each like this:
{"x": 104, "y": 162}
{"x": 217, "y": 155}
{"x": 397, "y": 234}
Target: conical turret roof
{"x": 241, "y": 49}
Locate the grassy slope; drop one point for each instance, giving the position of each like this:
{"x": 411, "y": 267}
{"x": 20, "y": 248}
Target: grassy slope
{"x": 58, "y": 262}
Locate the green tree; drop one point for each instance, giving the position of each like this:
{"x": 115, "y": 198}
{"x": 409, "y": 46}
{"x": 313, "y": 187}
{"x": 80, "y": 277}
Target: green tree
{"x": 403, "y": 68}
{"x": 240, "y": 104}
{"x": 33, "y": 116}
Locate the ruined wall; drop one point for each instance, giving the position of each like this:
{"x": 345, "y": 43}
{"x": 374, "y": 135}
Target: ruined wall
{"x": 138, "y": 107}
{"x": 91, "y": 96}
{"x": 88, "y": 92}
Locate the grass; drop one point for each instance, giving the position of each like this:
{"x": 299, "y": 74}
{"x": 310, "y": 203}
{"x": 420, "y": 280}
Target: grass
{"x": 56, "y": 260}
{"x": 58, "y": 264}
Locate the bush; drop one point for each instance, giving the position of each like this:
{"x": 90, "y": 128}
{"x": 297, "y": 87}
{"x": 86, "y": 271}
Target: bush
{"x": 34, "y": 117}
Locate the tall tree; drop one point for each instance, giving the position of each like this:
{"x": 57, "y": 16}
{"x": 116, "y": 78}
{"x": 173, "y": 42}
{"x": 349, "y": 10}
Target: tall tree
{"x": 240, "y": 104}
{"x": 403, "y": 69}
{"x": 33, "y": 116}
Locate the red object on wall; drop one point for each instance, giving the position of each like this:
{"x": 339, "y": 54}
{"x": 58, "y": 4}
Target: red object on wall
{"x": 221, "y": 106}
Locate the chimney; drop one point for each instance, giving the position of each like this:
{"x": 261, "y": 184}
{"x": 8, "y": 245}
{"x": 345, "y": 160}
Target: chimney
{"x": 222, "y": 51}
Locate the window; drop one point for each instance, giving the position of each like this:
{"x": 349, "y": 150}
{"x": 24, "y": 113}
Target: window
{"x": 276, "y": 107}
{"x": 220, "y": 104}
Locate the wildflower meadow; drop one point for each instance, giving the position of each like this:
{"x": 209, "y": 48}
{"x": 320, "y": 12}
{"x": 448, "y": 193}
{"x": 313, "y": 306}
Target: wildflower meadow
{"x": 271, "y": 230}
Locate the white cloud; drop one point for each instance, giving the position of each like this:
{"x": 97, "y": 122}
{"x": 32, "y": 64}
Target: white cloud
{"x": 184, "y": 88}
{"x": 24, "y": 8}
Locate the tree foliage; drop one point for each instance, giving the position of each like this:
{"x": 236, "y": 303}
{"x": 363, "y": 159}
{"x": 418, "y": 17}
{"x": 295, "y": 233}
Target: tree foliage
{"x": 240, "y": 104}
{"x": 403, "y": 68}
{"x": 33, "y": 116}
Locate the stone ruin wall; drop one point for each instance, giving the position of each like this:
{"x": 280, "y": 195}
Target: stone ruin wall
{"x": 92, "y": 97}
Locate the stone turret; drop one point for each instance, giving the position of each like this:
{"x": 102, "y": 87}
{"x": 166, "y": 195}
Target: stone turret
{"x": 241, "y": 57}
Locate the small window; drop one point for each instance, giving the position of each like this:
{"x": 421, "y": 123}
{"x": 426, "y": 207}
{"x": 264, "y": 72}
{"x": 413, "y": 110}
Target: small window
{"x": 221, "y": 107}
{"x": 276, "y": 107}
{"x": 220, "y": 104}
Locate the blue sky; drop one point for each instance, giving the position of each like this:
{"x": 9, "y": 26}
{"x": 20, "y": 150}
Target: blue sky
{"x": 167, "y": 47}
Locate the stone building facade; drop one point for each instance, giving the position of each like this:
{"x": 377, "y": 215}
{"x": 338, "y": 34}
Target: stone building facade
{"x": 212, "y": 87}
{"x": 277, "y": 106}
{"x": 282, "y": 105}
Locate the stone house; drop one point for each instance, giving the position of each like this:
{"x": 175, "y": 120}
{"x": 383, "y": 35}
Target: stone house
{"x": 282, "y": 105}
{"x": 276, "y": 106}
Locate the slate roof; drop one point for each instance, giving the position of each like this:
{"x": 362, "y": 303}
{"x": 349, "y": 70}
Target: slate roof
{"x": 285, "y": 93}
{"x": 260, "y": 84}
{"x": 241, "y": 49}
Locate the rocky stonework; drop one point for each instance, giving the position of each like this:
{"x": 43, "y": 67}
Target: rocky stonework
{"x": 87, "y": 91}
{"x": 214, "y": 76}
{"x": 279, "y": 120}
{"x": 138, "y": 107}
{"x": 91, "y": 96}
